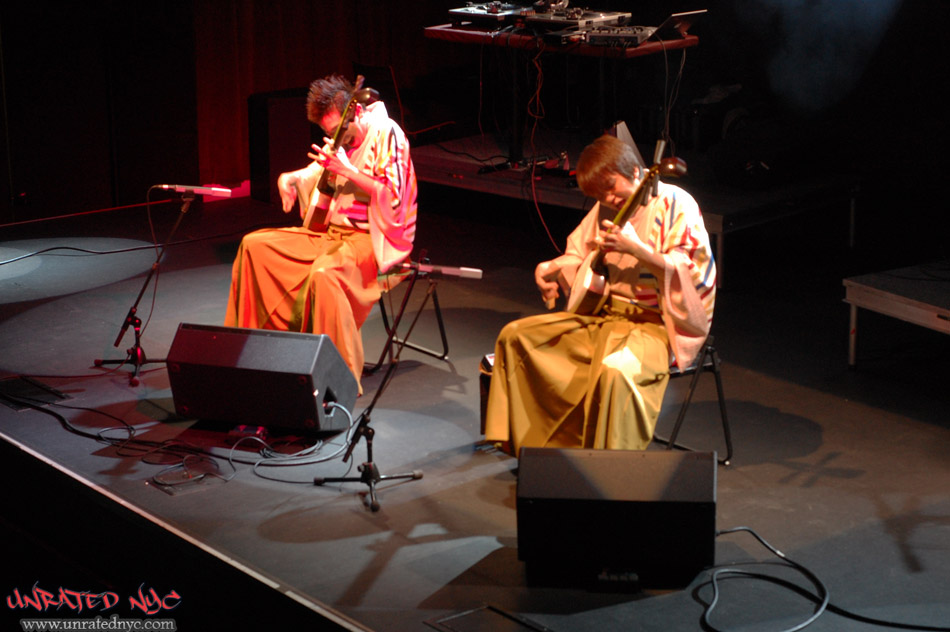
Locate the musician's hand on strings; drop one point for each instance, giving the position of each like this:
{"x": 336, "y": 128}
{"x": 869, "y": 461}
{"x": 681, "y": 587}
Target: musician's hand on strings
{"x": 339, "y": 164}
{"x": 336, "y": 163}
{"x": 617, "y": 239}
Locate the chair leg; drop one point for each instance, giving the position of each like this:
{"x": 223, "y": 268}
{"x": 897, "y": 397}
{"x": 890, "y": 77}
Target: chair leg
{"x": 444, "y": 353}
{"x": 392, "y": 329}
{"x": 670, "y": 443}
{"x": 722, "y": 409}
{"x": 710, "y": 353}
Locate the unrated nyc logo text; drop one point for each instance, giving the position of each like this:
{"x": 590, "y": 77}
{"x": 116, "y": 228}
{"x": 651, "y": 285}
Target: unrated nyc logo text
{"x": 147, "y": 600}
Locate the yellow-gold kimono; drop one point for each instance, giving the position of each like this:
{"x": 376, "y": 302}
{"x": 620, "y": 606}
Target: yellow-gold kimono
{"x": 597, "y": 381}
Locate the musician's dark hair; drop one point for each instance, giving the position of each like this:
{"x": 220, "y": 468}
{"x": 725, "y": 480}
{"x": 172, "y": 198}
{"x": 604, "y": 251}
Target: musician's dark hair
{"x": 599, "y": 162}
{"x": 330, "y": 93}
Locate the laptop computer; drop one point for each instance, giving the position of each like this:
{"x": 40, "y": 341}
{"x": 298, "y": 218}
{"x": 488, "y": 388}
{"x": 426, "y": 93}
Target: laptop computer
{"x": 674, "y": 27}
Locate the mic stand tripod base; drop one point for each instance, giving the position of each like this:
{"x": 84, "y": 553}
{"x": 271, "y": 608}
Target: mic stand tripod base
{"x": 369, "y": 473}
{"x": 135, "y": 354}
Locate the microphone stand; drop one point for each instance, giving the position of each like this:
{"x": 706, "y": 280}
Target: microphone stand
{"x": 135, "y": 353}
{"x": 369, "y": 473}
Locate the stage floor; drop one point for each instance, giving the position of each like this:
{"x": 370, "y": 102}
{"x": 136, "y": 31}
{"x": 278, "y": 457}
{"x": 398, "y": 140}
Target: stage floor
{"x": 847, "y": 472}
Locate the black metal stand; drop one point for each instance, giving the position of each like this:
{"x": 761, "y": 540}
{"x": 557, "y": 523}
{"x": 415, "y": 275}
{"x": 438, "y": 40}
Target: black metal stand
{"x": 708, "y": 360}
{"x": 136, "y": 354}
{"x": 418, "y": 270}
{"x": 369, "y": 473}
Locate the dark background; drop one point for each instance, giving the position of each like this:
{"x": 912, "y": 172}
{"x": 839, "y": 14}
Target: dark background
{"x": 103, "y": 99}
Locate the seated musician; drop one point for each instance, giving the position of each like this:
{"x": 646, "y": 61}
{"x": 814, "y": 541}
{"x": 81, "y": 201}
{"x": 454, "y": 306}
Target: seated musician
{"x": 568, "y": 379}
{"x": 321, "y": 277}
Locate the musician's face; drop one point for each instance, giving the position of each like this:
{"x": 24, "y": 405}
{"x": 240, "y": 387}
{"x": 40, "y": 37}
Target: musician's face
{"x": 622, "y": 188}
{"x": 354, "y": 133}
{"x": 329, "y": 122}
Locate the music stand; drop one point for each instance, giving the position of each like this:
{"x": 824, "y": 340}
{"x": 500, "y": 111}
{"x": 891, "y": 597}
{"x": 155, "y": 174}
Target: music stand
{"x": 369, "y": 473}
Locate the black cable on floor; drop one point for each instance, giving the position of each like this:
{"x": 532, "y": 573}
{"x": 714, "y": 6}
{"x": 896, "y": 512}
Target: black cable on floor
{"x": 821, "y": 596}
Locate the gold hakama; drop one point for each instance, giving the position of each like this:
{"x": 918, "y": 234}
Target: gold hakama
{"x": 566, "y": 380}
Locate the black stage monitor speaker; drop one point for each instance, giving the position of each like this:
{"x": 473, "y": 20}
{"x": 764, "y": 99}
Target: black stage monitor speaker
{"x": 259, "y": 377}
{"x": 640, "y": 518}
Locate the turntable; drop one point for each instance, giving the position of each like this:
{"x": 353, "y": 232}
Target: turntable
{"x": 576, "y": 17}
{"x": 492, "y": 13}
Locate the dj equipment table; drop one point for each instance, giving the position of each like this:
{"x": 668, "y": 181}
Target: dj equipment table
{"x": 471, "y": 34}
{"x": 465, "y": 33}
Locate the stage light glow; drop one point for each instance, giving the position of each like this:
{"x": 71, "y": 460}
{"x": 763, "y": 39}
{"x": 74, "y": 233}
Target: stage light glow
{"x": 823, "y": 47}
{"x": 37, "y": 269}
